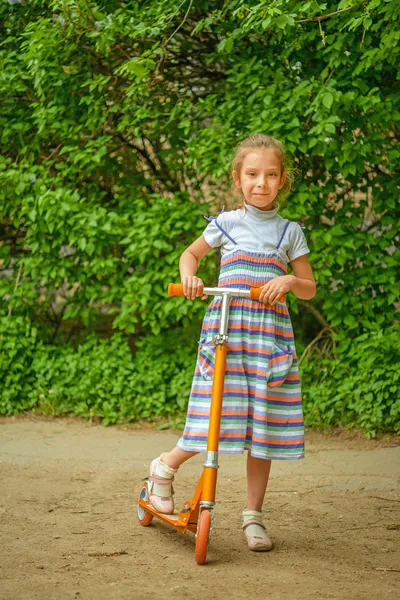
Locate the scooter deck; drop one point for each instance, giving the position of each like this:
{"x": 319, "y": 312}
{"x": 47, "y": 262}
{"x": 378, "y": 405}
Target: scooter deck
{"x": 175, "y": 519}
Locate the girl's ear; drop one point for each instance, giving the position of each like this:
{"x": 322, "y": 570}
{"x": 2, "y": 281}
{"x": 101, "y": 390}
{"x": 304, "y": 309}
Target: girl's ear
{"x": 236, "y": 178}
{"x": 283, "y": 179}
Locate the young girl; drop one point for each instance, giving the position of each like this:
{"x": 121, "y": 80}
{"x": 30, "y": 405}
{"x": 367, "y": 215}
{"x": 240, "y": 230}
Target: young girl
{"x": 262, "y": 397}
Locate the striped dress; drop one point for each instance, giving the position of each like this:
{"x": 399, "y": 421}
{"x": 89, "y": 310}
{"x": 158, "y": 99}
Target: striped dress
{"x": 262, "y": 410}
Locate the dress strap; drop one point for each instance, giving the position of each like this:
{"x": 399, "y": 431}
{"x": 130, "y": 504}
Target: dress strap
{"x": 210, "y": 219}
{"x": 283, "y": 234}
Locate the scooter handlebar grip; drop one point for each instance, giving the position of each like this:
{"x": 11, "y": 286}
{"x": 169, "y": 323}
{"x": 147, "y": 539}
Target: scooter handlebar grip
{"x": 255, "y": 294}
{"x": 175, "y": 289}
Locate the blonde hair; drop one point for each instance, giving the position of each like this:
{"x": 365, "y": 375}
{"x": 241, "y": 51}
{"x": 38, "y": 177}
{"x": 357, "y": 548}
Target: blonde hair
{"x": 267, "y": 142}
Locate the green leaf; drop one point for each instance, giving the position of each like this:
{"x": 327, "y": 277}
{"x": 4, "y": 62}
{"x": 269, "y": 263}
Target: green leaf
{"x": 281, "y": 22}
{"x": 327, "y": 99}
{"x": 367, "y": 22}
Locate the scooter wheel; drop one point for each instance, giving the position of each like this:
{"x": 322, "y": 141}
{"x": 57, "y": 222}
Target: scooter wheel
{"x": 203, "y": 534}
{"x": 144, "y": 517}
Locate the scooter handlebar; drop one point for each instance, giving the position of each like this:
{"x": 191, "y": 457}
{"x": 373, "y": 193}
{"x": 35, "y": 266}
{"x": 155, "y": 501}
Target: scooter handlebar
{"x": 176, "y": 289}
{"x": 255, "y": 294}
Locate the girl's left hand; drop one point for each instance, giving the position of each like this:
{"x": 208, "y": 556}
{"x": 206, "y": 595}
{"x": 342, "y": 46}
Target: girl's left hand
{"x": 276, "y": 288}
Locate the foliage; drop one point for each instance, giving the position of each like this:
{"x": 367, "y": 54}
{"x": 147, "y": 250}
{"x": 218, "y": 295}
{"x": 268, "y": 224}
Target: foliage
{"x": 99, "y": 378}
{"x": 18, "y": 345}
{"x": 361, "y": 387}
{"x": 117, "y": 126}
{"x": 108, "y": 104}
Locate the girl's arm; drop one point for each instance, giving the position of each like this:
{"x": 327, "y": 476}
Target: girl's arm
{"x": 188, "y": 265}
{"x": 301, "y": 283}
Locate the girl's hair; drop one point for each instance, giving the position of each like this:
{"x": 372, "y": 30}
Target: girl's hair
{"x": 267, "y": 142}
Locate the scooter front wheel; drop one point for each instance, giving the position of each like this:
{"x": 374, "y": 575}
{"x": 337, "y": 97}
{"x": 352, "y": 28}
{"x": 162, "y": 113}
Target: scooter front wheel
{"x": 144, "y": 517}
{"x": 203, "y": 535}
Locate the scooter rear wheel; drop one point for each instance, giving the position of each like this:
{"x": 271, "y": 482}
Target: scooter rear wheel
{"x": 144, "y": 517}
{"x": 203, "y": 535}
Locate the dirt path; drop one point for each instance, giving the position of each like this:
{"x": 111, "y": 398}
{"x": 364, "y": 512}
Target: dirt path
{"x": 69, "y": 530}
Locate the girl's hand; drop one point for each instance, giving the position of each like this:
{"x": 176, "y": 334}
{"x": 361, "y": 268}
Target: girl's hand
{"x": 275, "y": 288}
{"x": 193, "y": 287}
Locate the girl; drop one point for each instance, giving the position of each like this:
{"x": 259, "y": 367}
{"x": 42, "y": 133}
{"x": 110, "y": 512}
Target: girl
{"x": 262, "y": 397}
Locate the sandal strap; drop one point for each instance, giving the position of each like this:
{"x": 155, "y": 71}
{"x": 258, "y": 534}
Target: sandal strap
{"x": 160, "y": 480}
{"x": 253, "y": 522}
{"x": 156, "y": 481}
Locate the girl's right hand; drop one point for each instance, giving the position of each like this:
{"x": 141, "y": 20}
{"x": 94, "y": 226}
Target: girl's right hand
{"x": 193, "y": 287}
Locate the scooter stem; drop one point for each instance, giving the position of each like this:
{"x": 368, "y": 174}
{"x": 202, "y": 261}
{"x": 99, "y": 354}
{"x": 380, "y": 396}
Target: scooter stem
{"x": 211, "y": 462}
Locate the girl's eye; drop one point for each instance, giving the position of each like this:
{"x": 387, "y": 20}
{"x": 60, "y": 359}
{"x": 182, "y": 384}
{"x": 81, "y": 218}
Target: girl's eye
{"x": 251, "y": 174}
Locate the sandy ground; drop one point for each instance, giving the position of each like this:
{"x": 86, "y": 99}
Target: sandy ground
{"x": 69, "y": 529}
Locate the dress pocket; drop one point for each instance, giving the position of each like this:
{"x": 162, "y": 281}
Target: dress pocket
{"x": 206, "y": 358}
{"x": 279, "y": 364}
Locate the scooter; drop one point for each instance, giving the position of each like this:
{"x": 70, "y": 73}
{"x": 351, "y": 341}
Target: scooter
{"x": 197, "y": 514}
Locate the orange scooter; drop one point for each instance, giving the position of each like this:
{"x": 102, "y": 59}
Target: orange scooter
{"x": 197, "y": 514}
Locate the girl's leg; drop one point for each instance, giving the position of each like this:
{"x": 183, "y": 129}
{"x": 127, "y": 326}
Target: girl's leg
{"x": 177, "y": 457}
{"x": 162, "y": 472}
{"x": 258, "y": 470}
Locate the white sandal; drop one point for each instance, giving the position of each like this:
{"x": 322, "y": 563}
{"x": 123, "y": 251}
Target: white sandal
{"x": 255, "y": 541}
{"x": 160, "y": 494}
{"x": 161, "y": 490}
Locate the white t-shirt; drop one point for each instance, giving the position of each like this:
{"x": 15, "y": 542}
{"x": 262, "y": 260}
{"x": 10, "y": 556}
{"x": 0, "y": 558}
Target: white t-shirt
{"x": 257, "y": 231}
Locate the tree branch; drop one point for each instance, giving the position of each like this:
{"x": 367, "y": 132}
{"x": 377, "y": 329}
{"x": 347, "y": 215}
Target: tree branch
{"x": 314, "y": 341}
{"x": 160, "y": 175}
{"x": 311, "y": 308}
{"x": 180, "y": 24}
{"x": 324, "y": 17}
{"x": 164, "y": 45}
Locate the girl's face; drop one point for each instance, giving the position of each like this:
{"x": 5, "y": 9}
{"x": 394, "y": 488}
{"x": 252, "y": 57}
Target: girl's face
{"x": 260, "y": 178}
